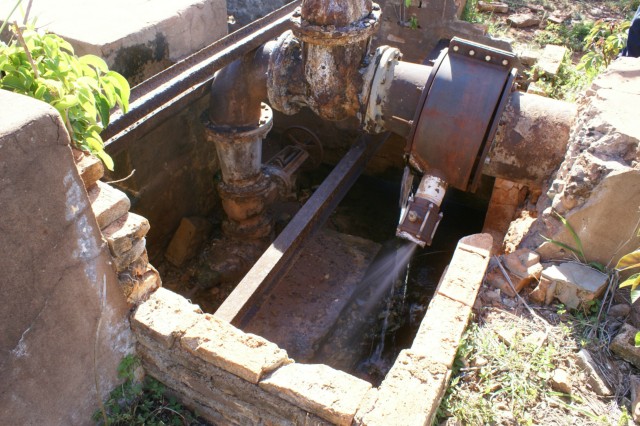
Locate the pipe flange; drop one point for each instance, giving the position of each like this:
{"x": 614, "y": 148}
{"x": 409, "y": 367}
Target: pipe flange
{"x": 259, "y": 188}
{"x": 238, "y": 134}
{"x": 286, "y": 89}
{"x": 330, "y": 35}
{"x": 387, "y": 58}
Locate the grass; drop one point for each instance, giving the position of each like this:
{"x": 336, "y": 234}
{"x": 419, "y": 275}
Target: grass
{"x": 498, "y": 380}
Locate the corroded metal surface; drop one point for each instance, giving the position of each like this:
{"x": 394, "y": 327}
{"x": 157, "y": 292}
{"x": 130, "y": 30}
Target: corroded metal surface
{"x": 242, "y": 303}
{"x": 531, "y": 140}
{"x": 168, "y": 92}
{"x": 452, "y": 126}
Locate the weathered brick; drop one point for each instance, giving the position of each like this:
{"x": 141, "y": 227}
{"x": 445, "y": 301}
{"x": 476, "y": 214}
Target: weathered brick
{"x": 163, "y": 318}
{"x": 410, "y": 394}
{"x": 330, "y": 394}
{"x": 122, "y": 233}
{"x": 624, "y": 346}
{"x": 124, "y": 260}
{"x": 246, "y": 355}
{"x": 441, "y": 330}
{"x": 108, "y": 203}
{"x": 187, "y": 239}
{"x": 89, "y": 167}
{"x": 466, "y": 270}
{"x": 138, "y": 290}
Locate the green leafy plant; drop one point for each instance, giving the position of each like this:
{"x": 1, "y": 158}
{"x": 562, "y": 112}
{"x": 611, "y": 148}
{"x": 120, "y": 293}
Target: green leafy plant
{"x": 82, "y": 89}
{"x": 578, "y": 250}
{"x": 141, "y": 403}
{"x": 629, "y": 262}
{"x": 602, "y": 44}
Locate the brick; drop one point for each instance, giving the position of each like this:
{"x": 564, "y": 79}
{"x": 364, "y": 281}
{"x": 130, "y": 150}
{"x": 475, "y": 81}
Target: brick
{"x": 328, "y": 393}
{"x": 623, "y": 345}
{"x": 122, "y": 233}
{"x": 186, "y": 241}
{"x": 138, "y": 290}
{"x": 163, "y": 318}
{"x": 108, "y": 203}
{"x": 124, "y": 260}
{"x": 410, "y": 394}
{"x": 89, "y": 167}
{"x": 467, "y": 268}
{"x": 441, "y": 330}
{"x": 246, "y": 355}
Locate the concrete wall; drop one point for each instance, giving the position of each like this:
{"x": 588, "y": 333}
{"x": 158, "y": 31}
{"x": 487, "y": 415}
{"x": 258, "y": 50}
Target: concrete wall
{"x": 137, "y": 38}
{"x": 246, "y": 11}
{"x": 63, "y": 318}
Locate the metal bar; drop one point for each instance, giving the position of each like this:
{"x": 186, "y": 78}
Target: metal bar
{"x": 167, "y": 92}
{"x": 242, "y": 303}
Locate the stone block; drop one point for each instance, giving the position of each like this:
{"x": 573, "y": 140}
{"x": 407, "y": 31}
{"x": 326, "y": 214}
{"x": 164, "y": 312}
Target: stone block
{"x": 89, "y": 167}
{"x": 575, "y": 283}
{"x": 620, "y": 310}
{"x": 163, "y": 318}
{"x": 551, "y": 59}
{"x": 246, "y": 355}
{"x": 535, "y": 89}
{"x": 467, "y": 268}
{"x": 108, "y": 203}
{"x": 185, "y": 243}
{"x": 410, "y": 394}
{"x": 328, "y": 393}
{"x": 523, "y": 265}
{"x": 441, "y": 330}
{"x": 523, "y": 20}
{"x": 123, "y": 232}
{"x": 623, "y": 345}
{"x": 585, "y": 361}
{"x": 123, "y": 261}
{"x": 495, "y": 278}
{"x": 493, "y": 7}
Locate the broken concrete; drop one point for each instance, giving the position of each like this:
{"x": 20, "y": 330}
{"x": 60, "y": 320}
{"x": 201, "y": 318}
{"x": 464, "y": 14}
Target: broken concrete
{"x": 123, "y": 232}
{"x": 107, "y": 203}
{"x": 89, "y": 166}
{"x": 594, "y": 380}
{"x": 64, "y": 320}
{"x": 493, "y": 7}
{"x": 561, "y": 381}
{"x": 576, "y": 283}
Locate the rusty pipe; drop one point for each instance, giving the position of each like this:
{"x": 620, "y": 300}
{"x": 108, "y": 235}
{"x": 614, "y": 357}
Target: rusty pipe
{"x": 239, "y": 88}
{"x": 531, "y": 140}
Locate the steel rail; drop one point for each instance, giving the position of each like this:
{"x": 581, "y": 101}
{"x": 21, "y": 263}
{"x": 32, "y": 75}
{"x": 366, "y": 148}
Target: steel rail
{"x": 173, "y": 89}
{"x": 243, "y": 302}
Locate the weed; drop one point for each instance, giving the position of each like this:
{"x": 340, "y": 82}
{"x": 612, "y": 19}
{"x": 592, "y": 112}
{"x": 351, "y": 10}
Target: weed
{"x": 141, "y": 403}
{"x": 603, "y": 43}
{"x": 571, "y": 36}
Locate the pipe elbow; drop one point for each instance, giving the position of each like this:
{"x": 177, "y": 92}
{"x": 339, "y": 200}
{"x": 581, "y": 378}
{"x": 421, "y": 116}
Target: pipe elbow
{"x": 239, "y": 88}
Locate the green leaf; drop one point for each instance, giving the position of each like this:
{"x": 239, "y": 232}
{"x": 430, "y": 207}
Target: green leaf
{"x": 66, "y": 102}
{"x": 635, "y": 294}
{"x": 103, "y": 109}
{"x": 122, "y": 89}
{"x": 573, "y": 233}
{"x": 629, "y": 261}
{"x": 561, "y": 245}
{"x": 637, "y": 340}
{"x": 633, "y": 281}
{"x": 95, "y": 62}
{"x": 106, "y": 159}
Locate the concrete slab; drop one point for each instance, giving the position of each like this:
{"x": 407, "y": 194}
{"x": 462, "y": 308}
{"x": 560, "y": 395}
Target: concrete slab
{"x": 306, "y": 303}
{"x": 137, "y": 38}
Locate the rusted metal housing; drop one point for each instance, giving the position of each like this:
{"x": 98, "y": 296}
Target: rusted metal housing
{"x": 463, "y": 98}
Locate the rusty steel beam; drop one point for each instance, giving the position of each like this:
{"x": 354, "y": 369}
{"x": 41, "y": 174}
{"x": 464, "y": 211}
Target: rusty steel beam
{"x": 173, "y": 89}
{"x": 242, "y": 303}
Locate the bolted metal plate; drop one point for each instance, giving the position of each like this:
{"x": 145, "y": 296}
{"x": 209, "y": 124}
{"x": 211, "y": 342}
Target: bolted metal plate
{"x": 458, "y": 112}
